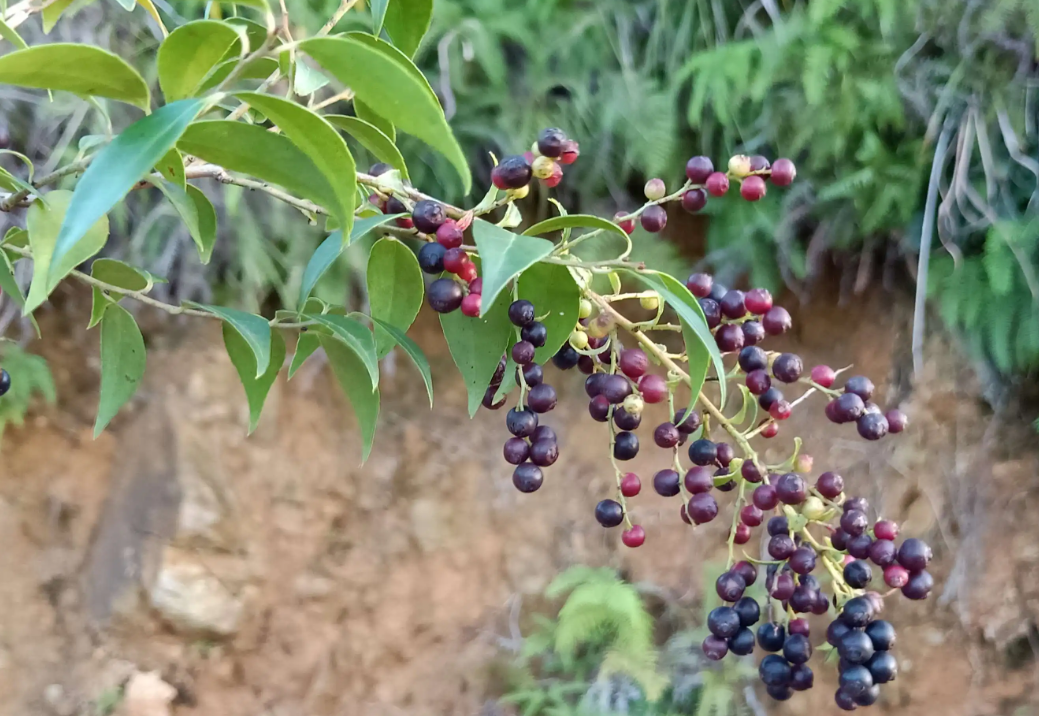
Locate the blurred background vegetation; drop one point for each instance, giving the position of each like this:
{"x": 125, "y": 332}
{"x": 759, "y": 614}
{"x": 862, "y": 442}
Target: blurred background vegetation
{"x": 858, "y": 93}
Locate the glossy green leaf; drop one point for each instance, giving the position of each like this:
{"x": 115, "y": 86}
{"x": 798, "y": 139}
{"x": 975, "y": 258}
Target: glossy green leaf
{"x": 14, "y": 236}
{"x": 356, "y": 382}
{"x": 372, "y": 139}
{"x": 122, "y": 363}
{"x": 118, "y": 167}
{"x": 197, "y": 213}
{"x": 411, "y": 348}
{"x": 13, "y": 184}
{"x": 407, "y": 21}
{"x": 750, "y": 405}
{"x": 9, "y": 286}
{"x": 52, "y": 12}
{"x": 307, "y": 80}
{"x": 370, "y": 116}
{"x": 356, "y": 336}
{"x": 8, "y": 33}
{"x": 122, "y": 275}
{"x": 256, "y": 385}
{"x": 98, "y": 305}
{"x": 190, "y": 53}
{"x": 171, "y": 166}
{"x": 477, "y": 345}
{"x": 252, "y": 328}
{"x": 82, "y": 69}
{"x": 319, "y": 140}
{"x": 378, "y": 15}
{"x": 574, "y": 221}
{"x": 504, "y": 255}
{"x": 388, "y": 82}
{"x": 365, "y": 226}
{"x": 552, "y": 290}
{"x": 249, "y": 149}
{"x": 255, "y": 32}
{"x": 258, "y": 68}
{"x": 395, "y": 289}
{"x": 701, "y": 348}
{"x": 44, "y": 224}
{"x": 305, "y": 346}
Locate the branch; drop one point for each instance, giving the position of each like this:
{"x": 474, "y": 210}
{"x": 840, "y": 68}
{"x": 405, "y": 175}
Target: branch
{"x": 18, "y": 198}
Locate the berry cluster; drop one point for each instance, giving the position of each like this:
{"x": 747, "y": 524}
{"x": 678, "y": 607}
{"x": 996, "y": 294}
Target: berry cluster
{"x": 544, "y": 161}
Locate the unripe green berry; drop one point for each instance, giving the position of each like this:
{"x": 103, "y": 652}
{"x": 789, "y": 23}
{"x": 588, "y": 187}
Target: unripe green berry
{"x": 813, "y": 508}
{"x": 739, "y": 165}
{"x": 586, "y": 308}
{"x": 579, "y": 339}
{"x": 543, "y": 167}
{"x": 520, "y": 193}
{"x": 650, "y": 303}
{"x": 600, "y": 326}
{"x": 633, "y": 404}
{"x": 655, "y": 189}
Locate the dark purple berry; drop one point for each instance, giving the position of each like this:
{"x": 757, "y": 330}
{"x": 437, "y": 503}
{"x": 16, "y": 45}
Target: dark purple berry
{"x": 523, "y": 353}
{"x": 848, "y": 407}
{"x": 395, "y": 206}
{"x": 712, "y": 312}
{"x": 836, "y": 631}
{"x": 780, "y": 693}
{"x": 858, "y": 573}
{"x": 699, "y": 479}
{"x": 516, "y": 450}
{"x": 699, "y": 284}
{"x": 883, "y": 553}
{"x": 702, "y": 508}
{"x": 857, "y": 612}
{"x": 774, "y": 670}
{"x": 882, "y": 634}
{"x": 730, "y": 586}
{"x": 777, "y": 321}
{"x": 872, "y": 426}
{"x": 830, "y": 485}
{"x": 855, "y": 647}
{"x": 791, "y": 489}
{"x": 512, "y": 173}
{"x": 747, "y": 570}
{"x": 599, "y": 408}
{"x": 533, "y": 374}
{"x": 551, "y": 141}
{"x": 752, "y": 358}
{"x": 625, "y": 420}
{"x": 801, "y": 678}
{"x": 726, "y": 453}
{"x": 431, "y": 258}
{"x": 778, "y": 525}
{"x": 694, "y": 200}
{"x": 625, "y": 446}
{"x": 654, "y": 218}
{"x": 715, "y": 648}
{"x": 919, "y": 585}
{"x": 444, "y": 295}
{"x": 914, "y": 554}
{"x": 803, "y": 599}
{"x": 771, "y": 636}
{"x": 781, "y": 547}
{"x": 544, "y": 453}
{"x": 666, "y": 435}
{"x": 732, "y": 304}
{"x": 527, "y": 477}
{"x": 521, "y": 313}
{"x": 609, "y": 513}
{"x": 802, "y": 561}
{"x": 797, "y": 649}
{"x": 428, "y": 215}
{"x": 769, "y": 398}
{"x": 566, "y": 357}
{"x": 861, "y": 386}
{"x": 765, "y": 497}
{"x": 698, "y": 169}
{"x": 753, "y": 333}
{"x": 758, "y": 382}
{"x": 616, "y": 388}
{"x": 859, "y": 546}
{"x": 787, "y": 367}
{"x": 593, "y": 384}
{"x": 665, "y": 482}
{"x": 687, "y": 422}
{"x": 729, "y": 338}
{"x": 534, "y": 333}
{"x": 543, "y": 432}
{"x": 883, "y": 667}
{"x": 488, "y": 399}
{"x": 717, "y": 292}
{"x": 784, "y": 587}
{"x": 742, "y": 643}
{"x": 750, "y": 472}
{"x": 854, "y": 522}
{"x": 541, "y": 398}
{"x": 521, "y": 422}
{"x": 723, "y": 621}
{"x": 844, "y": 700}
{"x": 856, "y": 503}
{"x": 896, "y": 421}
{"x": 703, "y": 452}
{"x": 856, "y": 681}
{"x": 748, "y": 609}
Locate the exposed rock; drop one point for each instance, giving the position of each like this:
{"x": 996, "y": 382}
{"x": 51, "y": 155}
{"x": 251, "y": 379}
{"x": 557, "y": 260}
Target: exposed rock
{"x": 147, "y": 695}
{"x": 192, "y": 599}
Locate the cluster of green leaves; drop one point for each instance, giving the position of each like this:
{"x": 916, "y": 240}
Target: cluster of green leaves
{"x": 32, "y": 379}
{"x": 599, "y": 655}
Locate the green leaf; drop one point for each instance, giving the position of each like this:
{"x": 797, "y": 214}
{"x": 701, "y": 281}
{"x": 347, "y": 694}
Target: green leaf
{"x": 13, "y": 184}
{"x": 256, "y": 386}
{"x": 258, "y": 68}
{"x": 321, "y": 142}
{"x": 255, "y": 32}
{"x": 190, "y": 53}
{"x": 305, "y": 346}
{"x": 82, "y": 69}
{"x": 249, "y": 149}
{"x": 378, "y": 15}
{"x": 254, "y": 329}
{"x": 8, "y": 33}
{"x": 574, "y": 221}
{"x": 407, "y": 21}
{"x": 44, "y": 224}
{"x": 356, "y": 336}
{"x": 395, "y": 289}
{"x": 149, "y": 6}
{"x": 551, "y": 287}
{"x": 411, "y": 348}
{"x": 392, "y": 86}
{"x": 366, "y": 113}
{"x": 355, "y": 381}
{"x": 118, "y": 167}
{"x": 122, "y": 363}
{"x": 700, "y": 346}
{"x": 9, "y": 286}
{"x": 120, "y": 274}
{"x": 197, "y": 213}
{"x": 51, "y": 12}
{"x": 504, "y": 255}
{"x": 477, "y": 344}
{"x": 307, "y": 80}
{"x": 372, "y": 139}
{"x": 171, "y": 166}
{"x": 98, "y": 305}
{"x": 18, "y": 238}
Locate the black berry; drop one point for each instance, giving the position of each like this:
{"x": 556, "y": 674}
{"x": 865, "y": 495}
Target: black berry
{"x": 797, "y": 649}
{"x": 535, "y": 333}
{"x": 609, "y": 513}
{"x": 521, "y": 422}
{"x": 752, "y": 358}
{"x": 665, "y": 482}
{"x": 730, "y": 586}
{"x": 712, "y": 312}
{"x": 860, "y": 385}
{"x": 527, "y": 477}
{"x": 431, "y": 258}
{"x": 855, "y": 647}
{"x": 533, "y": 374}
{"x": 858, "y": 573}
{"x": 771, "y": 636}
{"x": 523, "y": 353}
{"x": 748, "y": 609}
{"x": 444, "y": 295}
{"x": 774, "y": 670}
{"x": 512, "y": 173}
{"x": 787, "y": 367}
{"x": 914, "y": 554}
{"x": 666, "y": 435}
{"x": 516, "y": 451}
{"x": 723, "y": 622}
{"x": 551, "y": 141}
{"x": 625, "y": 446}
{"x": 616, "y": 388}
{"x": 703, "y": 452}
{"x": 566, "y": 357}
{"x": 521, "y": 312}
{"x": 872, "y": 426}
{"x": 882, "y": 634}
{"x": 883, "y": 667}
{"x": 769, "y": 398}
{"x": 541, "y": 398}
{"x": 428, "y": 216}
{"x": 742, "y": 643}
{"x": 544, "y": 453}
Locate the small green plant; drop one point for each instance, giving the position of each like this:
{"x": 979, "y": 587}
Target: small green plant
{"x": 108, "y": 701}
{"x": 34, "y": 381}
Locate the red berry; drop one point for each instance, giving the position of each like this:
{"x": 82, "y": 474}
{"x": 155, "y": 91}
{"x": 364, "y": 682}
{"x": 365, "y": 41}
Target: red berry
{"x": 885, "y": 529}
{"x": 654, "y": 218}
{"x": 571, "y": 151}
{"x": 823, "y": 375}
{"x": 770, "y": 430}
{"x": 758, "y": 381}
{"x": 694, "y": 200}
{"x": 751, "y": 515}
{"x": 630, "y": 484}
{"x": 753, "y": 188}
{"x": 454, "y": 260}
{"x": 702, "y": 508}
{"x": 780, "y": 410}
{"x": 699, "y": 479}
{"x": 777, "y": 321}
{"x": 555, "y": 178}
{"x": 471, "y": 305}
{"x": 476, "y": 286}
{"x": 634, "y": 537}
{"x": 468, "y": 272}
{"x": 633, "y": 362}
{"x": 449, "y": 235}
{"x": 717, "y": 184}
{"x": 698, "y": 169}
{"x": 896, "y": 576}
{"x": 653, "y": 388}
{"x": 699, "y": 284}
{"x": 896, "y": 421}
{"x": 765, "y": 497}
{"x": 758, "y": 301}
{"x": 626, "y": 226}
{"x": 830, "y": 485}
{"x": 783, "y": 172}
{"x": 404, "y": 222}
{"x": 742, "y": 534}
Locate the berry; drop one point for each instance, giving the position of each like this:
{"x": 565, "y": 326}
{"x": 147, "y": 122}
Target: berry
{"x": 747, "y": 608}
{"x": 848, "y": 407}
{"x": 773, "y": 670}
{"x": 742, "y": 643}
{"x": 717, "y": 184}
{"x": 765, "y": 497}
{"x": 715, "y": 648}
{"x": 666, "y": 435}
{"x": 787, "y": 367}
{"x": 625, "y": 446}
{"x": 543, "y": 432}
{"x": 802, "y": 561}
{"x": 625, "y": 420}
{"x": 723, "y": 621}
{"x": 631, "y": 485}
{"x": 593, "y": 384}
{"x": 777, "y": 321}
{"x": 758, "y": 301}
{"x": 729, "y": 338}
{"x": 758, "y": 381}
{"x": 855, "y": 647}
{"x": 758, "y": 163}
{"x": 703, "y": 452}
{"x": 521, "y": 422}
{"x": 854, "y": 522}
{"x": 655, "y": 189}
{"x": 919, "y": 585}
{"x": 449, "y": 235}
{"x": 781, "y": 546}
{"x": 551, "y": 141}
{"x": 733, "y": 305}
{"x": 585, "y": 364}
{"x": 783, "y": 172}
{"x": 752, "y": 359}
{"x": 882, "y": 634}
{"x": 896, "y": 421}
{"x": 791, "y": 489}
{"x": 627, "y": 226}
{"x": 488, "y": 399}
{"x": 516, "y": 451}
{"x": 396, "y": 206}
{"x": 471, "y": 305}
{"x": 872, "y": 426}
{"x": 883, "y": 553}
{"x": 836, "y": 631}
{"x": 741, "y": 535}
{"x": 542, "y": 398}
{"x": 535, "y": 333}
{"x": 665, "y": 482}
{"x": 654, "y": 218}
{"x": 694, "y": 200}
{"x": 914, "y": 554}
{"x": 653, "y": 388}
{"x": 858, "y": 573}
{"x": 571, "y": 151}
{"x": 857, "y": 612}
{"x": 455, "y": 260}
{"x": 801, "y": 678}
{"x": 428, "y": 216}
{"x": 797, "y": 649}
{"x": 687, "y": 421}
{"x": 444, "y": 295}
{"x": 844, "y": 700}
{"x": 599, "y": 409}
{"x": 699, "y": 480}
{"x": 379, "y": 168}
{"x": 830, "y": 485}
{"x": 616, "y": 388}
{"x": 633, "y": 363}
{"x": 803, "y": 599}
{"x": 778, "y": 525}
{"x": 512, "y": 173}
{"x": 431, "y": 258}
{"x": 780, "y": 410}
{"x": 730, "y": 586}
{"x": 856, "y": 503}
{"x": 527, "y": 477}
{"x": 702, "y": 508}
{"x": 523, "y": 353}
{"x": 860, "y": 385}
{"x": 533, "y": 374}
{"x": 859, "y": 546}
{"x": 753, "y": 333}
{"x": 633, "y": 537}
{"x": 855, "y": 681}
{"x": 823, "y": 375}
{"x": 609, "y": 513}
{"x": 770, "y": 397}
{"x": 712, "y": 312}
{"x": 784, "y": 587}
{"x": 750, "y": 471}
{"x": 521, "y": 312}
{"x": 896, "y": 576}
{"x": 698, "y": 169}
{"x": 717, "y": 291}
{"x": 753, "y": 188}
{"x": 883, "y": 667}
{"x": 699, "y": 284}
{"x": 727, "y": 486}
{"x": 751, "y": 515}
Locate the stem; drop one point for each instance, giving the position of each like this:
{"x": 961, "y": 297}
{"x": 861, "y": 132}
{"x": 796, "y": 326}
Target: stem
{"x": 344, "y": 7}
{"x": 15, "y": 200}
